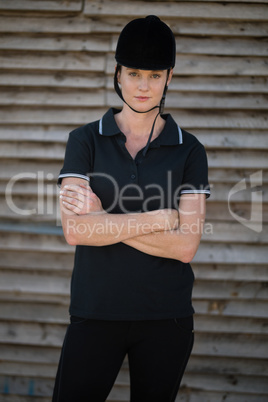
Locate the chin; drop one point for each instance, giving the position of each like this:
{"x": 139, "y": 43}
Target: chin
{"x": 142, "y": 106}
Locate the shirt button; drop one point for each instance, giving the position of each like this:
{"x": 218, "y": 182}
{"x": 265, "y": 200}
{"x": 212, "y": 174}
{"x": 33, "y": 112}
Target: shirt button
{"x": 133, "y": 176}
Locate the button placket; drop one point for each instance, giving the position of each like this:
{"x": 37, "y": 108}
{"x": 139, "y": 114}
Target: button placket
{"x": 133, "y": 172}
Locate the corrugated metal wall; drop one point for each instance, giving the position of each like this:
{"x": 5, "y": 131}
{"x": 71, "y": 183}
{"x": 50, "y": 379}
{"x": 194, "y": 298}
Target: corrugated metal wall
{"x": 56, "y": 67}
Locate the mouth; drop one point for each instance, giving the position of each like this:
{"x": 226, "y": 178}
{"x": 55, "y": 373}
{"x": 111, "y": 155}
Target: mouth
{"x": 142, "y": 98}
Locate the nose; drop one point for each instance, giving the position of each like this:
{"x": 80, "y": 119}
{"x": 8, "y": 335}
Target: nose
{"x": 143, "y": 84}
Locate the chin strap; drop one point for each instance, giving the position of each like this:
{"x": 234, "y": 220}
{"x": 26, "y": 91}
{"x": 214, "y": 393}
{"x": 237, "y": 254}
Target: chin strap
{"x": 162, "y": 103}
{"x": 161, "y": 106}
{"x": 150, "y": 136}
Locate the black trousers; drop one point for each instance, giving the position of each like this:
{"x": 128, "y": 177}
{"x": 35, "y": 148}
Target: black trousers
{"x": 94, "y": 350}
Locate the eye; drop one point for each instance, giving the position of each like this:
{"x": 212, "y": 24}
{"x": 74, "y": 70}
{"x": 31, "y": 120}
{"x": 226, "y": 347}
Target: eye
{"x": 156, "y": 76}
{"x": 133, "y": 74}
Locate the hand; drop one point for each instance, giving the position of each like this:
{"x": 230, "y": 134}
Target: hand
{"x": 80, "y": 199}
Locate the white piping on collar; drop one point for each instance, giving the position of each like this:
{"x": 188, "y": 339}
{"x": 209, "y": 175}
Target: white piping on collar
{"x": 180, "y": 136}
{"x": 100, "y": 127}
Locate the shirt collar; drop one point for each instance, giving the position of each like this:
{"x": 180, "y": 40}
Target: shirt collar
{"x": 171, "y": 134}
{"x": 107, "y": 124}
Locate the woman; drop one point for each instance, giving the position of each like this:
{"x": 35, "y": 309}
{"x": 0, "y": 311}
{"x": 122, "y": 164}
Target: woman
{"x": 133, "y": 189}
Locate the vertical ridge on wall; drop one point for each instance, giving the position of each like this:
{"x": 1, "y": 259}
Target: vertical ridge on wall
{"x": 56, "y": 73}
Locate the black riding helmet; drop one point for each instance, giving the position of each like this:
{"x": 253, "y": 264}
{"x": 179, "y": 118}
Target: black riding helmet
{"x": 145, "y": 44}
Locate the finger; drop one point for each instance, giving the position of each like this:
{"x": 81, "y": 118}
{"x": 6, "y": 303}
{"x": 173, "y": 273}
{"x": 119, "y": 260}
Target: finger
{"x": 73, "y": 194}
{"x": 72, "y": 201}
{"x": 72, "y": 204}
{"x": 80, "y": 189}
{"x": 87, "y": 187}
{"x": 71, "y": 207}
{"x": 73, "y": 188}
{"x": 87, "y": 190}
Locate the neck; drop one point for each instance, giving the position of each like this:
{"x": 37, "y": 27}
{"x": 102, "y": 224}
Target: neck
{"x": 138, "y": 124}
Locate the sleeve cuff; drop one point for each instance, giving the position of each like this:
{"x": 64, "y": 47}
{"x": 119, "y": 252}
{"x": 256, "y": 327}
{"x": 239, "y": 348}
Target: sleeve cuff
{"x": 80, "y": 176}
{"x": 207, "y": 192}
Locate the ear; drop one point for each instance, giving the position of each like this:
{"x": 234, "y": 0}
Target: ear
{"x": 170, "y": 76}
{"x": 118, "y": 74}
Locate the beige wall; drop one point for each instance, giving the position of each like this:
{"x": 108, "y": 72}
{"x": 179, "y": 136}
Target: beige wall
{"x": 56, "y": 68}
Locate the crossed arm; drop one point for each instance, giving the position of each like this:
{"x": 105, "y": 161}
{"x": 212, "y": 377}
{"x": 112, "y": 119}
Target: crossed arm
{"x": 163, "y": 233}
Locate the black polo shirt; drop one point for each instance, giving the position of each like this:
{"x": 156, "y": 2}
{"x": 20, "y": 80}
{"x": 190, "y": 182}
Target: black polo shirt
{"x": 118, "y": 282}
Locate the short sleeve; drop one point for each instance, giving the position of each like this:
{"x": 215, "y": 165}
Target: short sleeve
{"x": 195, "y": 177}
{"x": 77, "y": 158}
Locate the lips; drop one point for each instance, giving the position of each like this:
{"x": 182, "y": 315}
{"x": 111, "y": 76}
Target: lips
{"x": 142, "y": 98}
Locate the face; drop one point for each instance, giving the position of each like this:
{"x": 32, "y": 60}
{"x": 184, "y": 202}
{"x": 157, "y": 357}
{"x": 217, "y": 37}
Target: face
{"x": 142, "y": 89}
